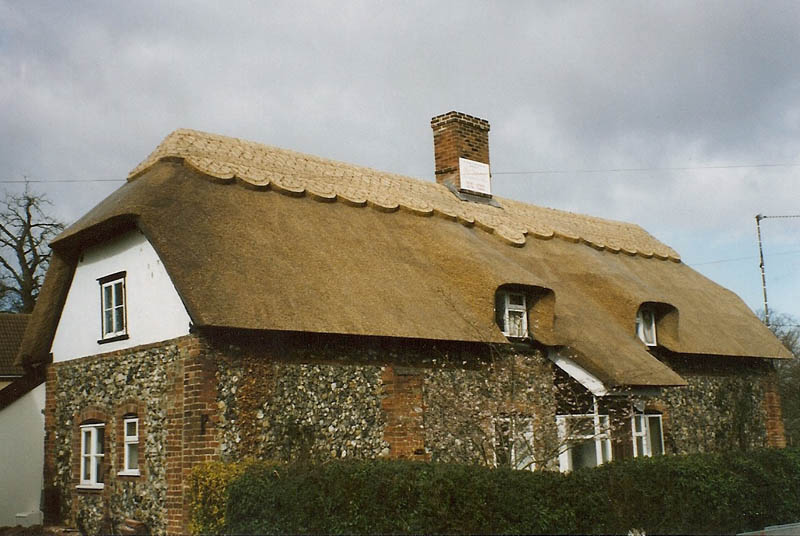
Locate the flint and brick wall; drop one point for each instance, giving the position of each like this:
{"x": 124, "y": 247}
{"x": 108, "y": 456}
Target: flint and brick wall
{"x": 283, "y": 397}
{"x": 168, "y": 386}
{"x": 729, "y": 403}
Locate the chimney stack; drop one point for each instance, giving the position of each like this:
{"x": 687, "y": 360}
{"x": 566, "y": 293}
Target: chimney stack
{"x": 461, "y": 150}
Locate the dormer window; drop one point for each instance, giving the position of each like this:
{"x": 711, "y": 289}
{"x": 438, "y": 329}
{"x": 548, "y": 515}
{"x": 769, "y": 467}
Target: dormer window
{"x": 513, "y": 314}
{"x": 646, "y": 326}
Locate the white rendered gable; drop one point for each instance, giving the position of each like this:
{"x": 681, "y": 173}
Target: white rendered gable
{"x": 154, "y": 310}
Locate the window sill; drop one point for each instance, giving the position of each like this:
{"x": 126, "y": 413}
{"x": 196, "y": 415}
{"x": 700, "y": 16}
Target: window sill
{"x": 122, "y": 337}
{"x": 90, "y": 487}
{"x": 129, "y": 473}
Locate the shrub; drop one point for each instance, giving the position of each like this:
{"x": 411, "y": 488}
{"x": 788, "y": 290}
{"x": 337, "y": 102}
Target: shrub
{"x": 208, "y": 492}
{"x": 702, "y": 493}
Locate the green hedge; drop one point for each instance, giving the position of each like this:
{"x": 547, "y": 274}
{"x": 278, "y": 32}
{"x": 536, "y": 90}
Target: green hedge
{"x": 705, "y": 493}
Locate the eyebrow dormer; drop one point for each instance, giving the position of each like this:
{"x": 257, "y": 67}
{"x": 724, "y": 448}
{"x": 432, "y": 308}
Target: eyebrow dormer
{"x": 655, "y": 320}
{"x": 524, "y": 311}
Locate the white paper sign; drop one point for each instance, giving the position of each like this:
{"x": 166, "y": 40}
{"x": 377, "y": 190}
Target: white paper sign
{"x": 474, "y": 176}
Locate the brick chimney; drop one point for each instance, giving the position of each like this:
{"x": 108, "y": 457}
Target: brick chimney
{"x": 461, "y": 150}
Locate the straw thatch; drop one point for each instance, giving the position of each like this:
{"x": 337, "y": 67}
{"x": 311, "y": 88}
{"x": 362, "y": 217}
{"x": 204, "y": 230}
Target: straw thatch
{"x": 260, "y": 238}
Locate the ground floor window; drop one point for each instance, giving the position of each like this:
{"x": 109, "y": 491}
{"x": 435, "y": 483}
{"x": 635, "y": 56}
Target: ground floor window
{"x": 130, "y": 427}
{"x": 585, "y": 440}
{"x": 513, "y": 442}
{"x": 92, "y": 454}
{"x": 648, "y": 438}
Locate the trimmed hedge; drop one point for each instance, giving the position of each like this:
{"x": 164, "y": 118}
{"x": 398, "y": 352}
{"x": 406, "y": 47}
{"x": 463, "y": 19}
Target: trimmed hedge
{"x": 703, "y": 493}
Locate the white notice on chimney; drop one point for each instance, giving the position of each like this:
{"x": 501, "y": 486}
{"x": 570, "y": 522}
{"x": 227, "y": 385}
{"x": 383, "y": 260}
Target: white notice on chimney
{"x": 474, "y": 176}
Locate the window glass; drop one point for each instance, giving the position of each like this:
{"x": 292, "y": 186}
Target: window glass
{"x": 646, "y": 326}
{"x": 133, "y": 458}
{"x": 514, "y": 442}
{"x": 586, "y": 440}
{"x": 516, "y": 324}
{"x": 108, "y": 303}
{"x": 516, "y": 299}
{"x": 118, "y": 294}
{"x": 98, "y": 470}
{"x": 119, "y": 319}
{"x": 502, "y": 442}
{"x": 656, "y": 437}
{"x": 584, "y": 454}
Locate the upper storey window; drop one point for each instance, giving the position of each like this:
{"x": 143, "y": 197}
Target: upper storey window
{"x": 512, "y": 314}
{"x": 646, "y": 326}
{"x": 113, "y": 308}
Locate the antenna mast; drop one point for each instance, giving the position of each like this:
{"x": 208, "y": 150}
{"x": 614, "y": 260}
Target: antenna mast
{"x": 760, "y": 217}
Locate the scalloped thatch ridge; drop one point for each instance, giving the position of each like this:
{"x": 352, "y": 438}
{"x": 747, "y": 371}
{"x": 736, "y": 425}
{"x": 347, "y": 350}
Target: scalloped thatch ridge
{"x": 258, "y": 166}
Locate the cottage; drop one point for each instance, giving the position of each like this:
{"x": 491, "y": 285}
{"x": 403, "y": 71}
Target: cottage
{"x": 21, "y": 430}
{"x": 12, "y": 328}
{"x": 234, "y": 299}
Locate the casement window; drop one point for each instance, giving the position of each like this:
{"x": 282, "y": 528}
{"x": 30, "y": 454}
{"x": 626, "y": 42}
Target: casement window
{"x": 130, "y": 430}
{"x": 113, "y": 311}
{"x": 512, "y": 314}
{"x": 646, "y": 326}
{"x": 92, "y": 455}
{"x": 513, "y": 442}
{"x": 648, "y": 438}
{"x": 585, "y": 440}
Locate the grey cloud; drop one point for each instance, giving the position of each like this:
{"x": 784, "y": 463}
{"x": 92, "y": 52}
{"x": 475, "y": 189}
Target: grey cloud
{"x": 87, "y": 89}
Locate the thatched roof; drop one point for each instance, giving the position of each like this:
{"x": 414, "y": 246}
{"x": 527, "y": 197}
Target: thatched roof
{"x": 261, "y": 238}
{"x": 12, "y": 327}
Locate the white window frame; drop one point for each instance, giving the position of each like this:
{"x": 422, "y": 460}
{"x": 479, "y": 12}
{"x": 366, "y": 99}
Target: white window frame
{"x": 645, "y": 318}
{"x": 520, "y": 441}
{"x": 90, "y": 455}
{"x": 600, "y": 435}
{"x": 119, "y": 301}
{"x": 130, "y": 442}
{"x": 509, "y": 307}
{"x": 644, "y": 433}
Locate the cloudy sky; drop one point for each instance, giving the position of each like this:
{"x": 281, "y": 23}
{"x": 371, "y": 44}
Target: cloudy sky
{"x": 683, "y": 117}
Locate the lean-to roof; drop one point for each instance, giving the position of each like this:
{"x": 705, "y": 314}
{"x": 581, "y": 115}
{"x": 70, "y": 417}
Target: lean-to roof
{"x": 12, "y": 328}
{"x": 261, "y": 238}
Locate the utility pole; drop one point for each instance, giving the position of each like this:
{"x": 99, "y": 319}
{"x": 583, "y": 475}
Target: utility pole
{"x": 760, "y": 217}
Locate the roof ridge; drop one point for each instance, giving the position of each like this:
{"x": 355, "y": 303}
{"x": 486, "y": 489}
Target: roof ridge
{"x": 260, "y": 166}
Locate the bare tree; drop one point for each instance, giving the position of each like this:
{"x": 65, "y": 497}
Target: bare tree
{"x": 25, "y": 230}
